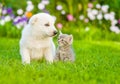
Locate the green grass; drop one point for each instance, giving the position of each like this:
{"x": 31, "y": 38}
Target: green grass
{"x": 97, "y": 62}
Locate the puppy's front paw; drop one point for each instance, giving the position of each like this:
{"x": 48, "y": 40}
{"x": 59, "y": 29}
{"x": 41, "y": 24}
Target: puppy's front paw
{"x": 50, "y": 61}
{"x": 26, "y": 62}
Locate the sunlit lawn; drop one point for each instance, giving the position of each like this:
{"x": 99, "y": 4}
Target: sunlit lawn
{"x": 97, "y": 62}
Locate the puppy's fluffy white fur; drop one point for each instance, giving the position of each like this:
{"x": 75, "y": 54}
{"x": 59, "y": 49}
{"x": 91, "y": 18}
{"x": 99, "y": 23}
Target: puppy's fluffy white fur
{"x": 36, "y": 40}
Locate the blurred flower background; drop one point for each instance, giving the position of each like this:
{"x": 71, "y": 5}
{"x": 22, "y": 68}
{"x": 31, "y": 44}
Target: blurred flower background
{"x": 85, "y": 19}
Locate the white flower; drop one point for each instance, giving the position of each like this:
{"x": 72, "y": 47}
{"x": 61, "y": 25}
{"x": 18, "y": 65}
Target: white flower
{"x": 107, "y": 16}
{"x": 45, "y": 2}
{"x": 87, "y": 29}
{"x": 4, "y": 11}
{"x": 100, "y": 16}
{"x": 2, "y": 22}
{"x": 112, "y": 13}
{"x": 18, "y": 26}
{"x": 30, "y": 7}
{"x": 114, "y": 22}
{"x": 94, "y": 12}
{"x": 29, "y": 2}
{"x": 89, "y": 10}
{"x": 105, "y": 8}
{"x": 23, "y": 16}
{"x": 81, "y": 17}
{"x": 19, "y": 11}
{"x": 112, "y": 16}
{"x": 91, "y": 16}
{"x": 59, "y": 7}
{"x": 115, "y": 29}
{"x": 98, "y": 6}
{"x": 41, "y": 6}
{"x": 7, "y": 18}
{"x": 63, "y": 12}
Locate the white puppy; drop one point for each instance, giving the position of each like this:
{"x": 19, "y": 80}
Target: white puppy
{"x": 36, "y": 40}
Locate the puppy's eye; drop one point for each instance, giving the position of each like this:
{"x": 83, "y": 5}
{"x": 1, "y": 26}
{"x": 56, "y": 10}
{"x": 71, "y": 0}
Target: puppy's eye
{"x": 47, "y": 24}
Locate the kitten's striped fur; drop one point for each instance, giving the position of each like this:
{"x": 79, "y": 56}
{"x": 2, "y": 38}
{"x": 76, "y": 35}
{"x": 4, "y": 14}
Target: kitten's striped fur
{"x": 64, "y": 51}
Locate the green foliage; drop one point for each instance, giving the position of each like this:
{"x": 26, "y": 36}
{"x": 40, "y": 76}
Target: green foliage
{"x": 97, "y": 62}
{"x": 114, "y": 5}
{"x": 95, "y": 33}
{"x": 78, "y": 31}
{"x": 75, "y": 7}
{"x": 9, "y": 30}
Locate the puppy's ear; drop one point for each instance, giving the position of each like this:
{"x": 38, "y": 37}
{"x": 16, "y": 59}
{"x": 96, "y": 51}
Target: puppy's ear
{"x": 33, "y": 20}
{"x": 70, "y": 39}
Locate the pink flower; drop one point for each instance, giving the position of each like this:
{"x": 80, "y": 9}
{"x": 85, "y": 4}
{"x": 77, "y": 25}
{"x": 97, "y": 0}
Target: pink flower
{"x": 59, "y": 25}
{"x": 90, "y": 5}
{"x": 119, "y": 21}
{"x": 70, "y": 17}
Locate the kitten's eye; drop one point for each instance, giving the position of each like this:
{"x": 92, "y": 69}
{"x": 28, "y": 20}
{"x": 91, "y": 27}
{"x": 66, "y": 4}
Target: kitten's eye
{"x": 62, "y": 40}
{"x": 47, "y": 24}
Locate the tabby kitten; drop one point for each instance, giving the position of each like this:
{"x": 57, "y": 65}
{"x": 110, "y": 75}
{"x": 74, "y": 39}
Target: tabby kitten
{"x": 64, "y": 51}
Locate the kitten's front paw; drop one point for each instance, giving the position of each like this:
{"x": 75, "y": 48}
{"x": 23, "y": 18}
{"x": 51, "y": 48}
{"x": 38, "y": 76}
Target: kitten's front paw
{"x": 66, "y": 59}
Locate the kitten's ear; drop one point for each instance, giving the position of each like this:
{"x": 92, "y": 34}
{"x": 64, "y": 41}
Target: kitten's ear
{"x": 70, "y": 39}
{"x": 33, "y": 20}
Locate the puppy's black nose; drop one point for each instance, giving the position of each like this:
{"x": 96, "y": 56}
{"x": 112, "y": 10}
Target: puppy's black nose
{"x": 55, "y": 32}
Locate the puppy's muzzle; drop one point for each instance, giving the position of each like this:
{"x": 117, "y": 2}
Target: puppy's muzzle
{"x": 55, "y": 32}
